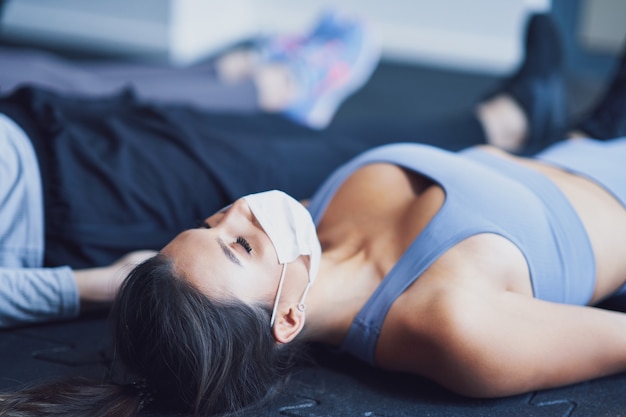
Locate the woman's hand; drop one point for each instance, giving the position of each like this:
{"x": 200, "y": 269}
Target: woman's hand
{"x": 100, "y": 285}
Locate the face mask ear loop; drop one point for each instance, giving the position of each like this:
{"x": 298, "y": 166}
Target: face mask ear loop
{"x": 280, "y": 289}
{"x": 301, "y": 305}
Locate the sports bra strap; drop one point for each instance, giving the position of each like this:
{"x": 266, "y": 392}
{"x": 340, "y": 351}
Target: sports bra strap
{"x": 429, "y": 245}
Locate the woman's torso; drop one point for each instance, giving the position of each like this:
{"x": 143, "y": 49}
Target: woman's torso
{"x": 603, "y": 216}
{"x": 381, "y": 208}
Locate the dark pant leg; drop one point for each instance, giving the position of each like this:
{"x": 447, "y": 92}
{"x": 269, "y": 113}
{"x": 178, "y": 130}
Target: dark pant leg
{"x": 196, "y": 85}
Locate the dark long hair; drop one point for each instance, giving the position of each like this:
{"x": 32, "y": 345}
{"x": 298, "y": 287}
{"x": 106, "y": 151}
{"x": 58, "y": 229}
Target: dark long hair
{"x": 192, "y": 354}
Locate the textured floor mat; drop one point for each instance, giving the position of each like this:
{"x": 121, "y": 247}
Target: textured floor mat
{"x": 332, "y": 385}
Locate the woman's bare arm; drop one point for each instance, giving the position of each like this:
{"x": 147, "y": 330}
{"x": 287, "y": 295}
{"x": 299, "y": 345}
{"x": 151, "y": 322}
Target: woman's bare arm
{"x": 490, "y": 344}
{"x": 100, "y": 285}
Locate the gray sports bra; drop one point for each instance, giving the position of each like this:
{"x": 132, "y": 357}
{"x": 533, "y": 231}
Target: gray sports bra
{"x": 484, "y": 194}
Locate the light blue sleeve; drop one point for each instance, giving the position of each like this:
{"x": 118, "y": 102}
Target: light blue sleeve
{"x": 29, "y": 295}
{"x": 28, "y": 292}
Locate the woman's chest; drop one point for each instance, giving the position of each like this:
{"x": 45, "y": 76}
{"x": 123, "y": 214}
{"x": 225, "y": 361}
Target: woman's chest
{"x": 378, "y": 211}
{"x": 381, "y": 209}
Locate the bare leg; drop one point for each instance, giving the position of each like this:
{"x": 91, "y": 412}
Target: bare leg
{"x": 306, "y": 78}
{"x": 504, "y": 122}
{"x": 276, "y": 87}
{"x": 275, "y": 84}
{"x": 529, "y": 111}
{"x": 237, "y": 65}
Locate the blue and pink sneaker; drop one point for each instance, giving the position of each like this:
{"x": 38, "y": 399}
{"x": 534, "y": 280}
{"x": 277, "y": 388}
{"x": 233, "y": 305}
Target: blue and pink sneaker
{"x": 329, "y": 64}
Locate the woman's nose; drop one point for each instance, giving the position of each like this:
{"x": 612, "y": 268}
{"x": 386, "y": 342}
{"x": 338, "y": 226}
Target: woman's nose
{"x": 236, "y": 213}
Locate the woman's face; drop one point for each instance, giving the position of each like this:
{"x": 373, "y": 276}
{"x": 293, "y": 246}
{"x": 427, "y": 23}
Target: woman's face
{"x": 231, "y": 256}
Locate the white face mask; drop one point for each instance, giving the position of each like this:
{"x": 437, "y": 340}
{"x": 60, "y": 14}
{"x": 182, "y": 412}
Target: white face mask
{"x": 292, "y": 232}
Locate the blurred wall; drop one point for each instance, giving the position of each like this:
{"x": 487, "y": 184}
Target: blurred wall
{"x": 479, "y": 34}
{"x": 482, "y": 35}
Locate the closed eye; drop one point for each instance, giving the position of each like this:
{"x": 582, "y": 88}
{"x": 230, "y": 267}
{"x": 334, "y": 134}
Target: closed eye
{"x": 244, "y": 243}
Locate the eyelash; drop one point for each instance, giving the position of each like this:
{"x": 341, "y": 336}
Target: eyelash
{"x": 240, "y": 240}
{"x": 244, "y": 243}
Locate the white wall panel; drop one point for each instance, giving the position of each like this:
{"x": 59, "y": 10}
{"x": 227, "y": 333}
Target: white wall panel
{"x": 483, "y": 35}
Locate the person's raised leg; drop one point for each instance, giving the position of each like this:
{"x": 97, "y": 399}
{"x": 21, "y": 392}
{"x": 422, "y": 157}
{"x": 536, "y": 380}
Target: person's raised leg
{"x": 306, "y": 77}
{"x": 607, "y": 118}
{"x": 524, "y": 115}
{"x": 530, "y": 110}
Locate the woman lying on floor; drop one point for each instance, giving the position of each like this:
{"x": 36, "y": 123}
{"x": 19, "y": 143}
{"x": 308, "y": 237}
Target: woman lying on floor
{"x": 477, "y": 269}
{"x": 84, "y": 175}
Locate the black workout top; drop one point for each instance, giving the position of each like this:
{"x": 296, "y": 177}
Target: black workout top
{"x": 119, "y": 174}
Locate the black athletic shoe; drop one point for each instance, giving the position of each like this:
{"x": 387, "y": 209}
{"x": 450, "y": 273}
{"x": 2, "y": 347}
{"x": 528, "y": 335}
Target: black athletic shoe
{"x": 538, "y": 86}
{"x": 607, "y": 119}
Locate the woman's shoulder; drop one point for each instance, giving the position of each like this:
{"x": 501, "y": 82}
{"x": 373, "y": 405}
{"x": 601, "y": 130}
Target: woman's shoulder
{"x": 476, "y": 268}
{"x": 438, "y": 312}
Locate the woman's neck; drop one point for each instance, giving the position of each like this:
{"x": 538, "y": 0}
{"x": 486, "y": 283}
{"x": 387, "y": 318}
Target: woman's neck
{"x": 371, "y": 220}
{"x": 344, "y": 283}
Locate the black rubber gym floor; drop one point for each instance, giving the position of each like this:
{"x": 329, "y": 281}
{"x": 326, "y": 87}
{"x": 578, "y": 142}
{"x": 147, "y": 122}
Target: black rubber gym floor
{"x": 326, "y": 385}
